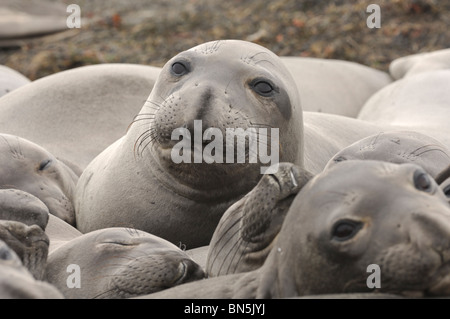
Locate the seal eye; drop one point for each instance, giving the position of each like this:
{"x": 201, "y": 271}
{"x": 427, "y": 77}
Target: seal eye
{"x": 5, "y": 254}
{"x": 44, "y": 164}
{"x": 263, "y": 87}
{"x": 422, "y": 181}
{"x": 118, "y": 243}
{"x": 345, "y": 229}
{"x": 447, "y": 191}
{"x": 179, "y": 69}
{"x": 339, "y": 159}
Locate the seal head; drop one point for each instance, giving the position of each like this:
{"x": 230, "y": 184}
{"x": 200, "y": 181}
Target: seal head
{"x": 361, "y": 213}
{"x": 120, "y": 263}
{"x": 28, "y": 167}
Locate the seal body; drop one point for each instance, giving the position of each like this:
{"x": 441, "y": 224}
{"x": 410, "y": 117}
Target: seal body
{"x": 418, "y": 103}
{"x": 334, "y": 86}
{"x": 419, "y": 63}
{"x": 120, "y": 263}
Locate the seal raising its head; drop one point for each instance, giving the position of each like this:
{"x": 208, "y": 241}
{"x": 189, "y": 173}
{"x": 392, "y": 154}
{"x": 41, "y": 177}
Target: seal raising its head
{"x": 354, "y": 217}
{"x": 361, "y": 213}
{"x": 178, "y": 168}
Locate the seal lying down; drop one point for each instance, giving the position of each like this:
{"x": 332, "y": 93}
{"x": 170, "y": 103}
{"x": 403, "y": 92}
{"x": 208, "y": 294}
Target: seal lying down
{"x": 355, "y": 214}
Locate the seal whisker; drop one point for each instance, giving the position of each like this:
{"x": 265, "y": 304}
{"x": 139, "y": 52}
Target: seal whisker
{"x": 147, "y": 133}
{"x": 153, "y": 105}
{"x": 152, "y": 139}
{"x": 150, "y": 119}
{"x": 259, "y": 125}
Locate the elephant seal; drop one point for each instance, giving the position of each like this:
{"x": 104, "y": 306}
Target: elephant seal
{"x": 30, "y": 243}
{"x": 20, "y": 206}
{"x": 16, "y": 282}
{"x": 398, "y": 147}
{"x": 20, "y": 18}
{"x": 10, "y": 80}
{"x": 419, "y": 63}
{"x": 185, "y": 201}
{"x": 76, "y": 114}
{"x": 227, "y": 85}
{"x": 391, "y": 215}
{"x": 245, "y": 233}
{"x": 334, "y": 86}
{"x": 27, "y": 166}
{"x": 119, "y": 263}
{"x": 418, "y": 103}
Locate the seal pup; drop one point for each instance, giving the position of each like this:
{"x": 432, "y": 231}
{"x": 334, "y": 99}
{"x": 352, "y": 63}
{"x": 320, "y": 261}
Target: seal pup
{"x": 75, "y": 114}
{"x": 16, "y": 282}
{"x": 119, "y": 263}
{"x": 245, "y": 233}
{"x": 398, "y": 147}
{"x": 327, "y": 239}
{"x": 334, "y": 86}
{"x": 29, "y": 167}
{"x": 227, "y": 85}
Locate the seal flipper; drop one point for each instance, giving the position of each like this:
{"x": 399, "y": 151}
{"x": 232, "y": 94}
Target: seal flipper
{"x": 246, "y": 231}
{"x": 267, "y": 204}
